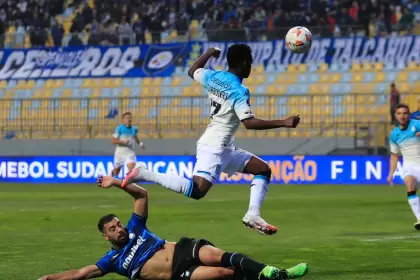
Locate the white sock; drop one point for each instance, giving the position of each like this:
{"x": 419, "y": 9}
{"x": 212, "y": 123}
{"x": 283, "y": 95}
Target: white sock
{"x": 415, "y": 205}
{"x": 173, "y": 182}
{"x": 259, "y": 188}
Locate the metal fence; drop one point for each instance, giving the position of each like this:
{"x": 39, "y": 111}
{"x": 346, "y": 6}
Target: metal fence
{"x": 366, "y": 118}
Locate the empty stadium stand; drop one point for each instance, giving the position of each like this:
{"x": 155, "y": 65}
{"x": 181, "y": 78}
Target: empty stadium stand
{"x": 333, "y": 101}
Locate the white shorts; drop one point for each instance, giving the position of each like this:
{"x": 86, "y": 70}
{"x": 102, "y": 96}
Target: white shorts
{"x": 212, "y": 161}
{"x": 124, "y": 158}
{"x": 411, "y": 170}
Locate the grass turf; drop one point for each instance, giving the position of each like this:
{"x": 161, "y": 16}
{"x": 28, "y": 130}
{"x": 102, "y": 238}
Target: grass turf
{"x": 343, "y": 232}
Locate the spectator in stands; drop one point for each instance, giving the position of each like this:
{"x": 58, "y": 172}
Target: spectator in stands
{"x": 395, "y": 99}
{"x": 77, "y": 24}
{"x": 139, "y": 29}
{"x": 182, "y": 25}
{"x": 406, "y": 20}
{"x": 20, "y": 35}
{"x": 45, "y": 21}
{"x": 156, "y": 28}
{"x": 87, "y": 14}
{"x": 94, "y": 36}
{"x": 57, "y": 33}
{"x": 75, "y": 40}
{"x": 2, "y": 32}
{"x": 125, "y": 32}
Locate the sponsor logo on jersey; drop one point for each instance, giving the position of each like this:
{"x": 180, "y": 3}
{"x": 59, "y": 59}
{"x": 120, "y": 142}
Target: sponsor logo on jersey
{"x": 133, "y": 252}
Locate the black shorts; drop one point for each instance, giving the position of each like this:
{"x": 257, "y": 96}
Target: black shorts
{"x": 186, "y": 258}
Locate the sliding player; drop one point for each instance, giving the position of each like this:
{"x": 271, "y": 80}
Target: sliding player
{"x": 137, "y": 253}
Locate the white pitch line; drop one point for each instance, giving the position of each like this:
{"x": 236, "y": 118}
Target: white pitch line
{"x": 384, "y": 239}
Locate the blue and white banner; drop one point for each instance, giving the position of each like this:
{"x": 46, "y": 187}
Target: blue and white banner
{"x": 91, "y": 62}
{"x": 161, "y": 60}
{"x": 285, "y": 169}
{"x": 388, "y": 50}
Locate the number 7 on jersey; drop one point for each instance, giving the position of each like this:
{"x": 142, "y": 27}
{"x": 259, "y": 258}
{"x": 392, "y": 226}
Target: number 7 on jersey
{"x": 215, "y": 108}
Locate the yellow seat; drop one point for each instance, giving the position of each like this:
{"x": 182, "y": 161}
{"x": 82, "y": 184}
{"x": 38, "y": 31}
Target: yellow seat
{"x": 412, "y": 66}
{"x": 276, "y": 89}
{"x": 176, "y": 81}
{"x": 379, "y": 77}
{"x": 357, "y": 77}
{"x": 287, "y": 78}
{"x": 356, "y": 67}
{"x": 302, "y": 68}
{"x": 292, "y": 68}
{"x": 321, "y": 100}
{"x": 157, "y": 81}
{"x": 379, "y": 66}
{"x": 367, "y": 67}
{"x": 323, "y": 67}
{"x": 259, "y": 69}
{"x": 402, "y": 77}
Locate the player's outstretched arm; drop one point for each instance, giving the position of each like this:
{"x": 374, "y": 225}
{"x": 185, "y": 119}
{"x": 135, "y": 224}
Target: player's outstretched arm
{"x": 202, "y": 60}
{"x": 138, "y": 193}
{"x": 87, "y": 272}
{"x": 259, "y": 124}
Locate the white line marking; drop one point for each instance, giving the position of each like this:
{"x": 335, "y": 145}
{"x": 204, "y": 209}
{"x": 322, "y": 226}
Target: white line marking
{"x": 384, "y": 239}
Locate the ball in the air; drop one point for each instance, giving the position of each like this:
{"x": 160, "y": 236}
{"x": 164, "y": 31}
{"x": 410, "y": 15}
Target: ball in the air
{"x": 299, "y": 39}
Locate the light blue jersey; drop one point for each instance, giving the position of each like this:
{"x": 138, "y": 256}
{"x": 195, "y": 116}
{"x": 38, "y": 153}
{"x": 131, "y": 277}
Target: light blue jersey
{"x": 229, "y": 105}
{"x": 122, "y": 132}
{"x": 406, "y": 142}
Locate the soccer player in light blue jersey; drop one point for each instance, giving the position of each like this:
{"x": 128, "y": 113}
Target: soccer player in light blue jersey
{"x": 216, "y": 149}
{"x": 405, "y": 140}
{"x": 137, "y": 253}
{"x": 125, "y": 138}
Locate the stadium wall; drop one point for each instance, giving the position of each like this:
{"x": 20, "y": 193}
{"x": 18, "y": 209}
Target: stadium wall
{"x": 67, "y": 147}
{"x": 297, "y": 169}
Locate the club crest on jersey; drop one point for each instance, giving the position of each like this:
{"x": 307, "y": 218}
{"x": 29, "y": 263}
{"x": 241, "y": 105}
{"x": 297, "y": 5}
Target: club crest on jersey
{"x": 131, "y": 236}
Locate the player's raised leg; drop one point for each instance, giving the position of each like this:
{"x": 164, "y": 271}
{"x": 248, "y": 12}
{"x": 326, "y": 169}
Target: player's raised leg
{"x": 411, "y": 184}
{"x": 251, "y": 269}
{"x": 196, "y": 188}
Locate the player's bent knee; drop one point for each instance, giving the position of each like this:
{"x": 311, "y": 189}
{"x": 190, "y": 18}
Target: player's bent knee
{"x": 197, "y": 192}
{"x": 265, "y": 174}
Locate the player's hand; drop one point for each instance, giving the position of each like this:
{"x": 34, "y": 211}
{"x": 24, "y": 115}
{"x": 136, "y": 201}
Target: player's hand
{"x": 418, "y": 134}
{"x": 215, "y": 52}
{"x": 141, "y": 144}
{"x": 127, "y": 142}
{"x": 292, "y": 121}
{"x": 389, "y": 179}
{"x": 44, "y": 277}
{"x": 104, "y": 181}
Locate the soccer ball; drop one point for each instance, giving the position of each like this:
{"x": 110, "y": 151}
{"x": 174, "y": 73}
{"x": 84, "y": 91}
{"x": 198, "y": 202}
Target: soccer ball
{"x": 299, "y": 39}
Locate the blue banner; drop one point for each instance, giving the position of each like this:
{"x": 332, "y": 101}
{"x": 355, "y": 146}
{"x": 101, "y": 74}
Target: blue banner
{"x": 285, "y": 169}
{"x": 161, "y": 60}
{"x": 91, "y": 62}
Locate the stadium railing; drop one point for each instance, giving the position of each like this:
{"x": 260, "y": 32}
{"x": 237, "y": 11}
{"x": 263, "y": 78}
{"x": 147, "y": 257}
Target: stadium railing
{"x": 365, "y": 117}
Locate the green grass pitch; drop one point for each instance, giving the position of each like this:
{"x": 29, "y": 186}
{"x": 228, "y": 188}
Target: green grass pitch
{"x": 343, "y": 232}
